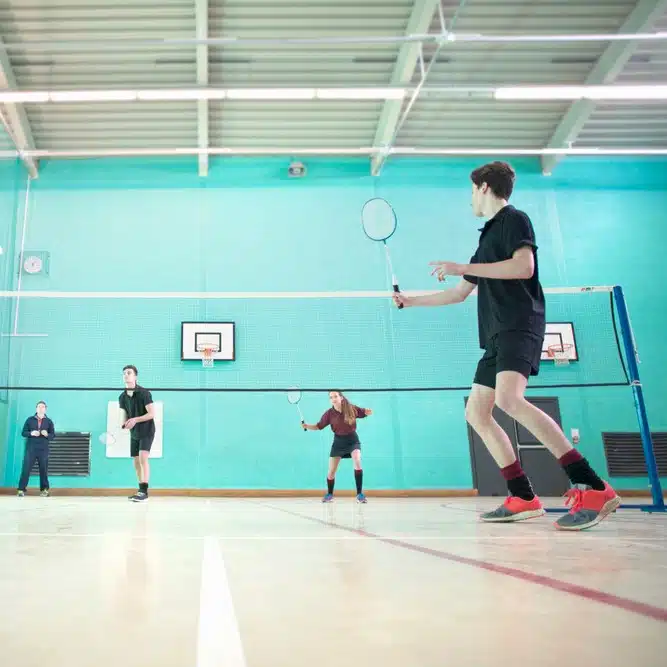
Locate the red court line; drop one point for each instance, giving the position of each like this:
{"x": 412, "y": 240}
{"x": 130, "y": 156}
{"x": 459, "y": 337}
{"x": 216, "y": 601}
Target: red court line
{"x": 592, "y": 594}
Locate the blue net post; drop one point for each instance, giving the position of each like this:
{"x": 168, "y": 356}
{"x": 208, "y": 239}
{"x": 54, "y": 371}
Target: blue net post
{"x": 640, "y": 406}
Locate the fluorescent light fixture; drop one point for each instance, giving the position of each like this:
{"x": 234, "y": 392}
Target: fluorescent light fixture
{"x": 271, "y": 93}
{"x": 181, "y": 94}
{"x": 576, "y": 37}
{"x": 93, "y": 96}
{"x": 15, "y": 97}
{"x": 657, "y": 92}
{"x": 535, "y": 152}
{"x": 361, "y": 93}
{"x": 411, "y": 151}
{"x": 176, "y": 152}
{"x": 167, "y": 94}
{"x": 292, "y": 151}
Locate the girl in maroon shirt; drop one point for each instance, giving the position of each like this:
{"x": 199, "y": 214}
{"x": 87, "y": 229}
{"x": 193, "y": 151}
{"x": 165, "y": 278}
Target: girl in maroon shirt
{"x": 342, "y": 417}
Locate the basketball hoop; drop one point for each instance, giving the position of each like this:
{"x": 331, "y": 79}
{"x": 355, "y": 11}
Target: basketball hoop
{"x": 207, "y": 350}
{"x": 560, "y": 353}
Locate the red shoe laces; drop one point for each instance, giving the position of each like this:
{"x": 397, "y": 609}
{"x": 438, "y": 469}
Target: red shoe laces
{"x": 574, "y": 497}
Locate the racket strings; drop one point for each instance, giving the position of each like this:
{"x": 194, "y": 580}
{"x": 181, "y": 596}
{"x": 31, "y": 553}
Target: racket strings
{"x": 293, "y": 396}
{"x": 378, "y": 219}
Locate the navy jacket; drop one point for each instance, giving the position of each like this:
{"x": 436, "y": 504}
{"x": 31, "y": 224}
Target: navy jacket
{"x": 40, "y": 440}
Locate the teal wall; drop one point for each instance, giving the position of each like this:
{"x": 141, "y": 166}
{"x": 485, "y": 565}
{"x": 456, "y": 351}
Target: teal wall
{"x": 155, "y": 226}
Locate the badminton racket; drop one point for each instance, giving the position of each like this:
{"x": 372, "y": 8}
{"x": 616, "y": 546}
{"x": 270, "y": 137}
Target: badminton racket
{"x": 379, "y": 221}
{"x": 294, "y": 396}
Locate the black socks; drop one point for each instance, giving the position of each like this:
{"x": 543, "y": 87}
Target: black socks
{"x": 359, "y": 480}
{"x": 517, "y": 482}
{"x": 579, "y": 471}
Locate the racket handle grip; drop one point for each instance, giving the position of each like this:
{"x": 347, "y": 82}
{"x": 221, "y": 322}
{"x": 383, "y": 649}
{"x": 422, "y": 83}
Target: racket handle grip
{"x": 398, "y": 291}
{"x": 303, "y": 425}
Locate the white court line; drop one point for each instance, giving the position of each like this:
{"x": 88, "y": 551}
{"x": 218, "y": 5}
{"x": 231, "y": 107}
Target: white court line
{"x": 310, "y": 538}
{"x": 219, "y": 640}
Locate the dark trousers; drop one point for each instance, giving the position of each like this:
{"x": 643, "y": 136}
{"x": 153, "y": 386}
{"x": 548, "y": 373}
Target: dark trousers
{"x": 39, "y": 453}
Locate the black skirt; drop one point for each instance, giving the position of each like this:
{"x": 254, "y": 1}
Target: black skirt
{"x": 344, "y": 445}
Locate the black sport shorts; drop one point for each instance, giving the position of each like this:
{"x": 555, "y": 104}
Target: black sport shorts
{"x": 344, "y": 445}
{"x": 143, "y": 445}
{"x": 518, "y": 351}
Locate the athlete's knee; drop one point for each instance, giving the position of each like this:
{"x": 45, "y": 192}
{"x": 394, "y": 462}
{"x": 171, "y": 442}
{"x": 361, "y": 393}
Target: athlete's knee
{"x": 477, "y": 415}
{"x": 509, "y": 402}
{"x": 510, "y": 389}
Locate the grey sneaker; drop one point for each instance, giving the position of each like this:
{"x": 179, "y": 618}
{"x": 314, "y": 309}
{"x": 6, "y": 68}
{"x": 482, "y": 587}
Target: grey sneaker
{"x": 515, "y": 509}
{"x": 45, "y": 493}
{"x": 139, "y": 497}
{"x": 588, "y": 507}
{"x": 20, "y": 493}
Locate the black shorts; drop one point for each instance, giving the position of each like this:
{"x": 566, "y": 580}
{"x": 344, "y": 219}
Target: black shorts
{"x": 142, "y": 445}
{"x": 344, "y": 445}
{"x": 518, "y": 351}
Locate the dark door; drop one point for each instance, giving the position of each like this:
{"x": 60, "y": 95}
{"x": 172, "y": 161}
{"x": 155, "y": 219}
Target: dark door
{"x": 544, "y": 471}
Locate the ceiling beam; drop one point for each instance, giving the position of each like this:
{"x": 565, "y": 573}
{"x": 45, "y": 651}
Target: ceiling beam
{"x": 607, "y": 68}
{"x": 404, "y": 69}
{"x": 201, "y": 21}
{"x": 18, "y": 126}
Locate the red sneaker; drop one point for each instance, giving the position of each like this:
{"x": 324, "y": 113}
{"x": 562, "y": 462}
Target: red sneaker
{"x": 588, "y": 507}
{"x": 515, "y": 509}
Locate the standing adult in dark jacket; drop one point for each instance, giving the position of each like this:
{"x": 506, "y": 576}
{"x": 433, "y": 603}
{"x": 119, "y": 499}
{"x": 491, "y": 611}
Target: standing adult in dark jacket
{"x": 38, "y": 431}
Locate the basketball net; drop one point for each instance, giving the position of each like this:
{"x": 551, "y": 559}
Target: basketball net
{"x": 207, "y": 355}
{"x": 560, "y": 354}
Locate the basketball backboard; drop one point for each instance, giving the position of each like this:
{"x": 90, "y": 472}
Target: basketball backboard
{"x": 195, "y": 335}
{"x": 560, "y": 334}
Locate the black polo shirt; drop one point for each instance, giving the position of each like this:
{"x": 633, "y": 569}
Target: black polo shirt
{"x": 507, "y": 305}
{"x": 135, "y": 406}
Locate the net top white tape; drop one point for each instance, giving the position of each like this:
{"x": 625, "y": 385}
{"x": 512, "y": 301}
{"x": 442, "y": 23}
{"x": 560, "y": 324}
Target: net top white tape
{"x": 352, "y": 294}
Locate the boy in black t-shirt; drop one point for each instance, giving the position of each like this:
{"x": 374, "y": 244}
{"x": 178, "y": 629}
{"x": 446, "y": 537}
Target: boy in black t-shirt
{"x": 136, "y": 404}
{"x": 511, "y": 321}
